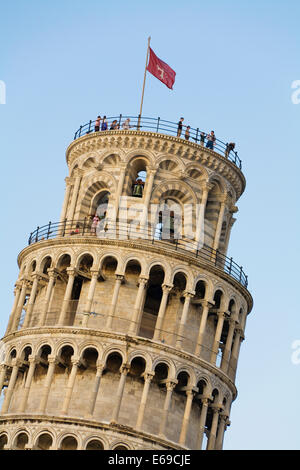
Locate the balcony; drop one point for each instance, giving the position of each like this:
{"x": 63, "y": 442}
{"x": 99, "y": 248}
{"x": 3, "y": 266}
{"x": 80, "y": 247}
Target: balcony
{"x": 160, "y": 126}
{"x": 83, "y": 228}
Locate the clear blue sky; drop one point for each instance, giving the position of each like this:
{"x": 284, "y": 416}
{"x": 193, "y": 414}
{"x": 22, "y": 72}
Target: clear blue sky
{"x": 63, "y": 62}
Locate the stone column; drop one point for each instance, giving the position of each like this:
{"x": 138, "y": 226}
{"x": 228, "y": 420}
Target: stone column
{"x": 124, "y": 371}
{"x": 235, "y": 352}
{"x": 202, "y": 421}
{"x": 186, "y": 417}
{"x": 228, "y": 345}
{"x": 36, "y": 279}
{"x": 90, "y": 297}
{"x": 138, "y": 306}
{"x": 219, "y": 226}
{"x": 148, "y": 376}
{"x": 120, "y": 187}
{"x": 162, "y": 310}
{"x": 119, "y": 280}
{"x": 16, "y": 301}
{"x": 215, "y": 348}
{"x": 205, "y": 308}
{"x": 146, "y": 198}
{"x": 74, "y": 195}
{"x": 66, "y": 201}
{"x": 213, "y": 431}
{"x": 188, "y": 296}
{"x": 3, "y": 368}
{"x": 52, "y": 277}
{"x": 92, "y": 401}
{"x": 32, "y": 364}
{"x": 170, "y": 387}
{"x": 67, "y": 297}
{"x": 201, "y": 217}
{"x": 52, "y": 360}
{"x": 12, "y": 381}
{"x": 70, "y": 386}
{"x": 20, "y": 305}
{"x": 221, "y": 430}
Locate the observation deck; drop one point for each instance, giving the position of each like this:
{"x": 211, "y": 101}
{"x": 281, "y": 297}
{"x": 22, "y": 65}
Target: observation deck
{"x": 160, "y": 126}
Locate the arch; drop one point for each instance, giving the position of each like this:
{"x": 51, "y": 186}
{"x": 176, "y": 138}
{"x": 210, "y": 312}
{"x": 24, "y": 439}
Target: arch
{"x": 112, "y": 159}
{"x": 94, "y": 444}
{"x": 178, "y": 189}
{"x": 168, "y": 363}
{"x": 44, "y": 441}
{"x": 197, "y": 172}
{"x": 3, "y": 440}
{"x": 20, "y": 440}
{"x": 112, "y": 259}
{"x": 120, "y": 446}
{"x": 68, "y": 442}
{"x": 84, "y": 261}
{"x": 45, "y": 264}
{"x": 113, "y": 350}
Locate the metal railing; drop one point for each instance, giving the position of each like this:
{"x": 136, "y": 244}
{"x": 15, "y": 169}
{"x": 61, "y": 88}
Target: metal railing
{"x": 160, "y": 126}
{"x": 113, "y": 231}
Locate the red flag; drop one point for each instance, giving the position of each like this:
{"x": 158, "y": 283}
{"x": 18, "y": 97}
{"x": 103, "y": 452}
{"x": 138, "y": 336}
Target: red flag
{"x": 161, "y": 70}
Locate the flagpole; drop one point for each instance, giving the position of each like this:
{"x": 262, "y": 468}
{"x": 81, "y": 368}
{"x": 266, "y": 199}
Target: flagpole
{"x": 141, "y": 107}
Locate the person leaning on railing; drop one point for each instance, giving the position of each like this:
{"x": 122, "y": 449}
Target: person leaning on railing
{"x": 211, "y": 139}
{"x": 229, "y": 147}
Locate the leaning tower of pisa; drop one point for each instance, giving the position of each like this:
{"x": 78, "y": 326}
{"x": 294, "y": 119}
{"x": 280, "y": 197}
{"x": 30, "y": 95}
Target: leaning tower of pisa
{"x": 128, "y": 313}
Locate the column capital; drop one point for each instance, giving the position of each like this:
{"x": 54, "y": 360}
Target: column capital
{"x": 68, "y": 180}
{"x": 148, "y": 376}
{"x": 167, "y": 287}
{"x": 189, "y": 294}
{"x": 75, "y": 361}
{"x": 16, "y": 362}
{"x": 100, "y": 366}
{"x": 71, "y": 271}
{"x": 94, "y": 272}
{"x": 32, "y": 359}
{"x": 143, "y": 280}
{"x": 206, "y": 186}
{"x": 52, "y": 273}
{"x": 207, "y": 303}
{"x": 124, "y": 369}
{"x": 171, "y": 384}
{"x": 52, "y": 359}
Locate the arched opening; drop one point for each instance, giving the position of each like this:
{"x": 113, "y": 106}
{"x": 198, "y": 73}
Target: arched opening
{"x": 89, "y": 358}
{"x": 161, "y": 373}
{"x": 183, "y": 380}
{"x": 113, "y": 363}
{"x": 99, "y": 212}
{"x": 69, "y": 443}
{"x": 136, "y": 177}
{"x": 21, "y": 441}
{"x": 169, "y": 224}
{"x": 152, "y": 302}
{"x": 200, "y": 290}
{"x": 120, "y": 447}
{"x": 94, "y": 444}
{"x": 137, "y": 367}
{"x": 44, "y": 442}
{"x": 46, "y": 264}
{"x": 3, "y": 441}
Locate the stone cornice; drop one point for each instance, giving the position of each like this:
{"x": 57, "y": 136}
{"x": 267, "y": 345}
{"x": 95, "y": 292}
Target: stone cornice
{"x": 90, "y": 423}
{"x": 159, "y": 143}
{"x": 145, "y": 247}
{"x": 133, "y": 341}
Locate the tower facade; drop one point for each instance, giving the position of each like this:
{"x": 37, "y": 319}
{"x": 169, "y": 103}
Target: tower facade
{"x": 128, "y": 314}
